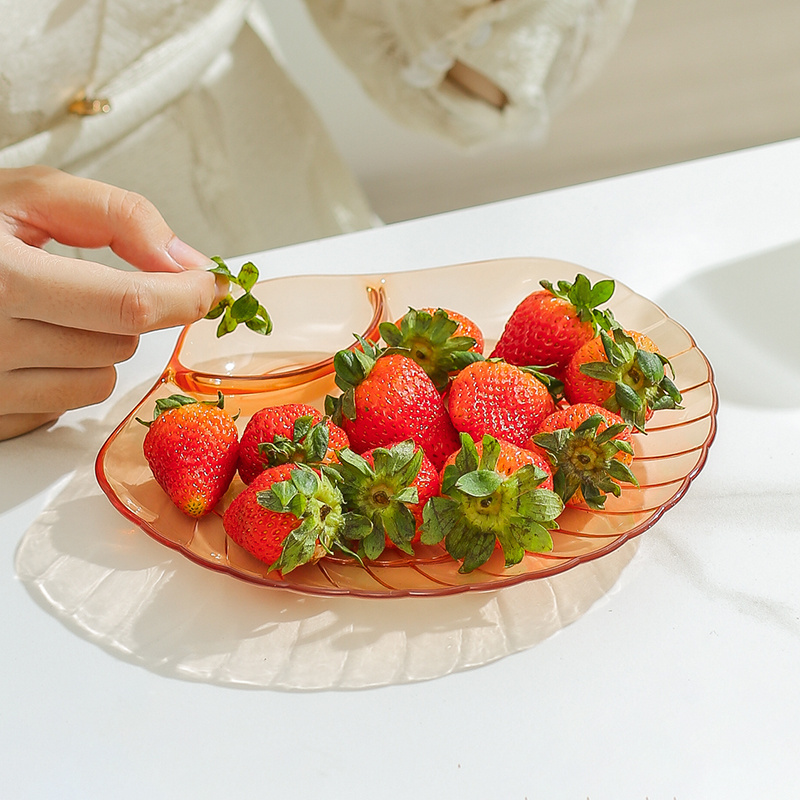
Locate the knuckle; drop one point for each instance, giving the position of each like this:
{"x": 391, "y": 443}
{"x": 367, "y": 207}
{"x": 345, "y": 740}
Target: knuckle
{"x": 138, "y": 308}
{"x": 132, "y": 207}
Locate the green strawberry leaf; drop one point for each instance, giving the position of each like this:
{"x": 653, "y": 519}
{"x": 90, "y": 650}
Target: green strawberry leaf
{"x": 475, "y": 550}
{"x": 400, "y": 526}
{"x": 479, "y": 483}
{"x": 219, "y": 309}
{"x": 534, "y": 538}
{"x": 227, "y": 324}
{"x": 627, "y": 397}
{"x": 600, "y": 370}
{"x": 308, "y": 445}
{"x": 373, "y": 544}
{"x": 672, "y": 391}
{"x": 490, "y": 453}
{"x": 467, "y": 458}
{"x": 439, "y": 515}
{"x": 586, "y": 298}
{"x": 390, "y": 334}
{"x": 651, "y": 365}
{"x": 173, "y": 401}
{"x": 221, "y": 268}
{"x": 316, "y": 442}
{"x": 245, "y": 309}
{"x": 621, "y": 472}
{"x": 304, "y": 479}
{"x": 278, "y": 496}
{"x": 513, "y": 551}
{"x": 601, "y": 293}
{"x": 408, "y": 495}
{"x": 356, "y": 527}
{"x": 540, "y": 503}
{"x": 314, "y": 500}
{"x": 353, "y": 460}
{"x": 299, "y": 547}
{"x": 248, "y": 275}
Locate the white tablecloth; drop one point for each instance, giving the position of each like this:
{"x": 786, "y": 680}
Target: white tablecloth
{"x": 667, "y": 669}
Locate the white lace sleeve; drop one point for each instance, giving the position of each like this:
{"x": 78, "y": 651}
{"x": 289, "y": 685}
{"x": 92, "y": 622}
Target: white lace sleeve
{"x": 537, "y": 52}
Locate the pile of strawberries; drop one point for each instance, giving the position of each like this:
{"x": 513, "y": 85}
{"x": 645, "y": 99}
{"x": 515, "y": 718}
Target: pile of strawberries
{"x": 430, "y": 441}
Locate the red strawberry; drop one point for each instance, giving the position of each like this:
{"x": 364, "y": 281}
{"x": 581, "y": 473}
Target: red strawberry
{"x": 549, "y": 325}
{"x": 289, "y": 515}
{"x": 389, "y": 487}
{"x": 590, "y": 448}
{"x": 623, "y": 372}
{"x": 511, "y": 458}
{"x": 501, "y": 399}
{"x": 481, "y": 506}
{"x": 440, "y": 341}
{"x": 288, "y": 432}
{"x": 389, "y": 398}
{"x": 192, "y": 447}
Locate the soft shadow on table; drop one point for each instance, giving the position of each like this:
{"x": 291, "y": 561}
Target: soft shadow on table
{"x": 743, "y": 315}
{"x": 111, "y": 584}
{"x": 61, "y": 443}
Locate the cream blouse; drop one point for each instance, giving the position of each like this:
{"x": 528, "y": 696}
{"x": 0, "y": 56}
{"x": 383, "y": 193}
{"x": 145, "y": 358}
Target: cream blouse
{"x": 184, "y": 102}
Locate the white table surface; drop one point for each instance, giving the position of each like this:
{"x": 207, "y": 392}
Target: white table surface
{"x": 677, "y": 680}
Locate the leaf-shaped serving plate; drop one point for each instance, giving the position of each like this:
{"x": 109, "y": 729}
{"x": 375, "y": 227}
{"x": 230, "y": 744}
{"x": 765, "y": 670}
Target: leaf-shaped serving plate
{"x": 316, "y": 315}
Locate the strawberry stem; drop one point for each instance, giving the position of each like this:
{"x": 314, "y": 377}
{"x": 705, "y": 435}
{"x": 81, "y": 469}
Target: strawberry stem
{"x": 586, "y": 298}
{"x": 243, "y": 310}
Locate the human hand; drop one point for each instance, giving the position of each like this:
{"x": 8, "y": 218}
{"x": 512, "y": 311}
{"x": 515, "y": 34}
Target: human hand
{"x": 64, "y": 322}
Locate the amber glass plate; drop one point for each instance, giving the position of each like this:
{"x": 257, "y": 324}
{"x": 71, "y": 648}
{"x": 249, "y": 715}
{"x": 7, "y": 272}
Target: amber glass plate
{"x": 314, "y": 316}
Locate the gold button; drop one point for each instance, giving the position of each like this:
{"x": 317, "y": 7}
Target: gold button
{"x": 84, "y": 106}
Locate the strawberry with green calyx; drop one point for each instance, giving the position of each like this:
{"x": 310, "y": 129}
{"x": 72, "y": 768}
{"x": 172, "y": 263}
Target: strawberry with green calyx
{"x": 500, "y": 399}
{"x": 192, "y": 448}
{"x": 590, "y": 449}
{"x": 623, "y": 372}
{"x": 309, "y": 443}
{"x": 481, "y": 506}
{"x": 549, "y": 325}
{"x": 511, "y": 458}
{"x": 288, "y": 432}
{"x": 431, "y": 337}
{"x": 389, "y": 487}
{"x": 291, "y": 515}
{"x": 244, "y": 309}
{"x": 386, "y": 398}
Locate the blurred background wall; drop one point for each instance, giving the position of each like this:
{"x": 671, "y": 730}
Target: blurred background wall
{"x": 691, "y": 78}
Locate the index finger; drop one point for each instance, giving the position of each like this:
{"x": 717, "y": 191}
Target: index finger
{"x": 40, "y": 203}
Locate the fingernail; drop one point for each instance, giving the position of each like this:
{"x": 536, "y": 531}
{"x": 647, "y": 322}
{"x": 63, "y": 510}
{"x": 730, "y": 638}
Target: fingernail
{"x": 187, "y": 257}
{"x": 222, "y": 288}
